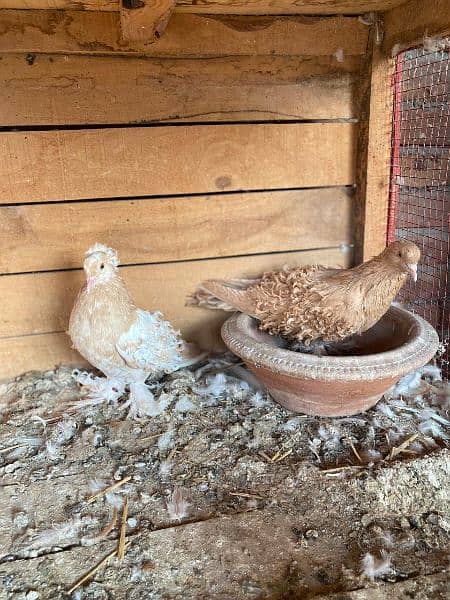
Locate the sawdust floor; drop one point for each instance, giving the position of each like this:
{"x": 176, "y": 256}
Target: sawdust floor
{"x": 267, "y": 504}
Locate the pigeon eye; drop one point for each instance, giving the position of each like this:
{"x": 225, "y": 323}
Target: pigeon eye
{"x": 102, "y": 266}
{"x": 398, "y": 254}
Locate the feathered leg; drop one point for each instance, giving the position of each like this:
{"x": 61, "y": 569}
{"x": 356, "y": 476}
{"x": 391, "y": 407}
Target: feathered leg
{"x": 142, "y": 403}
{"x": 99, "y": 389}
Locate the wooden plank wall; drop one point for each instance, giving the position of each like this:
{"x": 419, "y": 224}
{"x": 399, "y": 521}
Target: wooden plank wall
{"x": 225, "y": 150}
{"x": 244, "y": 7}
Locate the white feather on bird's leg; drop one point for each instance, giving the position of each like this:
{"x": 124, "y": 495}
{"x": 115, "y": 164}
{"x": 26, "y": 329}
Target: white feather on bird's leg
{"x": 142, "y": 402}
{"x": 99, "y": 389}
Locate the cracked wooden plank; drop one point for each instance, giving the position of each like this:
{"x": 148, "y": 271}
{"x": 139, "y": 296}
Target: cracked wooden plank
{"x": 144, "y": 21}
{"x": 244, "y": 7}
{"x": 186, "y": 36}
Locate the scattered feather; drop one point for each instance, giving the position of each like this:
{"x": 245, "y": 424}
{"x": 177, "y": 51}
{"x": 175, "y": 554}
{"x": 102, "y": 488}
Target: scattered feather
{"x": 184, "y": 405}
{"x": 143, "y": 404}
{"x": 291, "y": 424}
{"x": 40, "y": 420}
{"x": 373, "y": 567}
{"x": 430, "y": 428}
{"x": 60, "y": 534}
{"x": 396, "y": 48}
{"x": 165, "y": 467}
{"x": 370, "y": 455}
{"x": 386, "y": 411}
{"x": 97, "y": 439}
{"x": 177, "y": 507}
{"x": 216, "y": 386}
{"x": 165, "y": 441}
{"x": 432, "y": 372}
{"x": 247, "y": 377}
{"x": 96, "y": 485}
{"x": 368, "y": 19}
{"x": 387, "y": 539}
{"x": 52, "y": 450}
{"x": 114, "y": 500}
{"x": 314, "y": 445}
{"x": 339, "y": 55}
{"x": 331, "y": 437}
{"x": 429, "y": 413}
{"x": 65, "y": 431}
{"x": 258, "y": 400}
{"x": 22, "y": 445}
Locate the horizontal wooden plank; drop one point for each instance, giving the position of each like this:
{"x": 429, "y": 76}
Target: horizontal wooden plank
{"x": 71, "y": 90}
{"x": 408, "y": 24}
{"x": 42, "y": 302}
{"x": 47, "y": 236}
{"x": 186, "y": 35}
{"x": 244, "y": 7}
{"x": 36, "y": 352}
{"x": 103, "y": 163}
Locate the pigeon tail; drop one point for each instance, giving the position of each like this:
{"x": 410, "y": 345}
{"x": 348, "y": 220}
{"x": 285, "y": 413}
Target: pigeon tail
{"x": 225, "y": 295}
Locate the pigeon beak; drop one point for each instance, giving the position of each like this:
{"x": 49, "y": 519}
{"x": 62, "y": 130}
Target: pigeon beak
{"x": 413, "y": 271}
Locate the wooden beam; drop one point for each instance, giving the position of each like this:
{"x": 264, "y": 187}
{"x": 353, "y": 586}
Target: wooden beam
{"x": 408, "y": 24}
{"x": 187, "y": 36}
{"x": 144, "y": 20}
{"x": 242, "y": 7}
{"x": 51, "y": 166}
{"x": 374, "y": 151}
{"x": 43, "y": 237}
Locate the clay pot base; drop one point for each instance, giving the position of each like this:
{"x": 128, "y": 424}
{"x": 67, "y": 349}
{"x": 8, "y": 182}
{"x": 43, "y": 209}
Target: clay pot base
{"x": 334, "y": 386}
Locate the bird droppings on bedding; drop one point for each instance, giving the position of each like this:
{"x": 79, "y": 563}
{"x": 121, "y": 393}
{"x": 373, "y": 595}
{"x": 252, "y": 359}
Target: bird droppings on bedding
{"x": 224, "y": 471}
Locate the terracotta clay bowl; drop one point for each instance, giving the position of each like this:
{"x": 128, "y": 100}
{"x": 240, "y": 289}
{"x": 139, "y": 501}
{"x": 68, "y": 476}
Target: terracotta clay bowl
{"x": 334, "y": 386}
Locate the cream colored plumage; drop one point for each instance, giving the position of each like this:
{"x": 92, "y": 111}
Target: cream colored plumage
{"x": 127, "y": 344}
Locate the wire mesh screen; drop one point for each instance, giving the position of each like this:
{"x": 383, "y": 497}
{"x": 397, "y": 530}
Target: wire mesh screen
{"x": 420, "y": 185}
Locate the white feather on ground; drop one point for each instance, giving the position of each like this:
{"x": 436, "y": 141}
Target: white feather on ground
{"x": 373, "y": 567}
{"x": 177, "y": 507}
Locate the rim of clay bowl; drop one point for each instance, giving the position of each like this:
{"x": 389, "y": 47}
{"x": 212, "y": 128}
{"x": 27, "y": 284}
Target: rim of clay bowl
{"x": 420, "y": 347}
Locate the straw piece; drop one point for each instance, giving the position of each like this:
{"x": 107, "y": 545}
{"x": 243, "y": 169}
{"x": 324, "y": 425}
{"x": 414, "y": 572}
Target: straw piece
{"x": 94, "y": 570}
{"x": 110, "y": 488}
{"x": 123, "y": 530}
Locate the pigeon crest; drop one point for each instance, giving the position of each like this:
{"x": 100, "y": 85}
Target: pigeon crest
{"x": 112, "y": 255}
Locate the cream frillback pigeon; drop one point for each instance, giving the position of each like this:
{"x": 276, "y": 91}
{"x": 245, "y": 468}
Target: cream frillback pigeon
{"x": 127, "y": 344}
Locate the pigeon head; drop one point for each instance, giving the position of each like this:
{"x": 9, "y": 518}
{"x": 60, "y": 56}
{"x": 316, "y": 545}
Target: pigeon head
{"x": 404, "y": 256}
{"x": 100, "y": 264}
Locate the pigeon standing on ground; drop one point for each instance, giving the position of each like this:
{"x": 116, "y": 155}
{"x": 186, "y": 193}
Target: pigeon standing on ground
{"x": 316, "y": 305}
{"x": 127, "y": 344}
